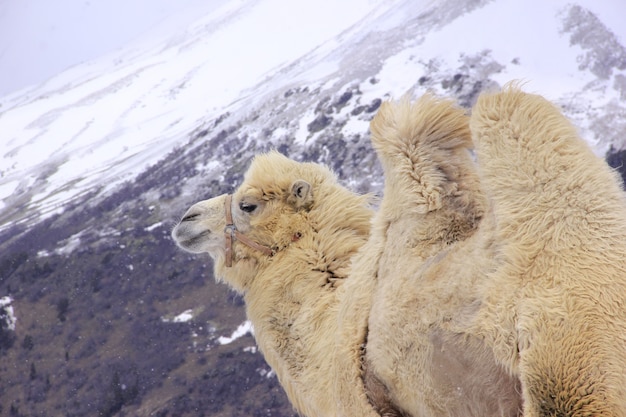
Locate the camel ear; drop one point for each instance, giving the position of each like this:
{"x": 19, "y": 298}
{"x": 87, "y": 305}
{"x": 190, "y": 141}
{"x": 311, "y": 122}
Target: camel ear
{"x": 301, "y": 195}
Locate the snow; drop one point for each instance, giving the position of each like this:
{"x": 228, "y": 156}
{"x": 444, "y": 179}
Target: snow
{"x": 243, "y": 329}
{"x": 302, "y": 134}
{"x": 398, "y": 72}
{"x": 69, "y": 245}
{"x": 183, "y": 317}
{"x": 106, "y": 123}
{"x": 103, "y": 122}
{"x": 153, "y": 226}
{"x": 355, "y": 127}
{"x": 542, "y": 58}
{"x": 548, "y": 63}
{"x": 9, "y": 313}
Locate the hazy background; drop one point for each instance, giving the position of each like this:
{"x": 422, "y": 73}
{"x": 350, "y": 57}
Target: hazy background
{"x": 40, "y": 38}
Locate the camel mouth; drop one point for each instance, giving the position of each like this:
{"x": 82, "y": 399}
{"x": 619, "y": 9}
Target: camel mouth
{"x": 190, "y": 217}
{"x": 196, "y": 239}
{"x": 190, "y": 242}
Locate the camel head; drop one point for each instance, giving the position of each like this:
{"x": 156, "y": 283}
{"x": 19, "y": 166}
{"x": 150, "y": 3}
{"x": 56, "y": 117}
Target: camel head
{"x": 269, "y": 212}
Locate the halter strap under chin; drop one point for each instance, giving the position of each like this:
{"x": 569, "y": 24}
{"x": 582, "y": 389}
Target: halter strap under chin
{"x": 231, "y": 233}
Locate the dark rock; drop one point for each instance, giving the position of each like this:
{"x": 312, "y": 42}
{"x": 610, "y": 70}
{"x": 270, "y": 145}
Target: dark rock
{"x": 617, "y": 160}
{"x": 320, "y": 122}
{"x": 343, "y": 99}
{"x": 374, "y": 105}
{"x": 357, "y": 110}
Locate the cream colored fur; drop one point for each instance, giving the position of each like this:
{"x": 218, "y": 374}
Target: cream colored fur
{"x": 432, "y": 208}
{"x": 293, "y": 297}
{"x": 554, "y": 303}
{"x": 431, "y": 201}
{"x": 532, "y": 302}
{"x": 309, "y": 311}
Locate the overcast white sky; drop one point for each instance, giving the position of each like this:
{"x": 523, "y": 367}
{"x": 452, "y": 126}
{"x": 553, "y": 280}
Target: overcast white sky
{"x": 40, "y": 38}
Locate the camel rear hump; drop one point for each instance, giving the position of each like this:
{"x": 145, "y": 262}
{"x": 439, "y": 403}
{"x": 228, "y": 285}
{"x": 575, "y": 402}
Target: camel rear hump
{"x": 560, "y": 223}
{"x": 538, "y": 173}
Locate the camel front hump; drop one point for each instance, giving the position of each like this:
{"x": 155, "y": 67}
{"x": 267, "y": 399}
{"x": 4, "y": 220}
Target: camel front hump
{"x": 420, "y": 352}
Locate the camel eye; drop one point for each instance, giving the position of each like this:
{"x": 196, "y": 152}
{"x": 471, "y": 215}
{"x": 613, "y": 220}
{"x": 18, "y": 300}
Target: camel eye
{"x": 247, "y": 207}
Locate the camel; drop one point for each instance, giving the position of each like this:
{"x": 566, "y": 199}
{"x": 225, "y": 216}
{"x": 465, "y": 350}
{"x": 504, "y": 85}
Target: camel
{"x": 291, "y": 232}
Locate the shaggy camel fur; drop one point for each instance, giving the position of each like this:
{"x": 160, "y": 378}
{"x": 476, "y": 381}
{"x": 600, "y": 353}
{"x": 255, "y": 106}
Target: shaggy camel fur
{"x": 432, "y": 206}
{"x": 554, "y": 303}
{"x": 534, "y": 301}
{"x": 309, "y": 311}
{"x": 314, "y": 226}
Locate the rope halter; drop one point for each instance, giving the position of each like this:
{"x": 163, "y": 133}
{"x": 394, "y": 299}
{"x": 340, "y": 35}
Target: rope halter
{"x": 231, "y": 233}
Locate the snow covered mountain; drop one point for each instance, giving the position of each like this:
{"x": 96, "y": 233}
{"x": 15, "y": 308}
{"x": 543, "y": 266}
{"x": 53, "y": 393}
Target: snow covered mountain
{"x": 97, "y": 162}
{"x": 102, "y": 123}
